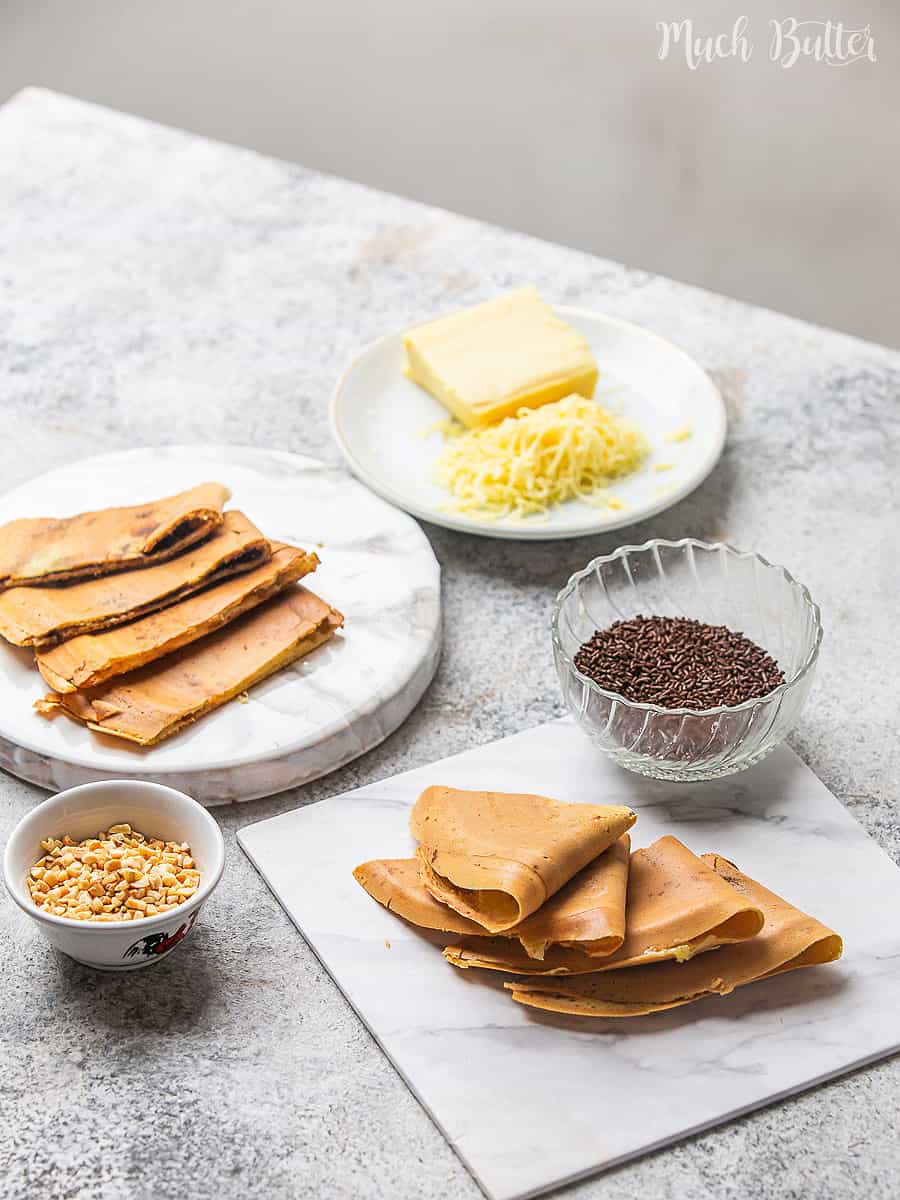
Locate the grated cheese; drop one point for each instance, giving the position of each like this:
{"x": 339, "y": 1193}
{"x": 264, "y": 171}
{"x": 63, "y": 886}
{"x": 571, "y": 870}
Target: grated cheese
{"x": 523, "y": 465}
{"x": 448, "y": 427}
{"x": 679, "y": 435}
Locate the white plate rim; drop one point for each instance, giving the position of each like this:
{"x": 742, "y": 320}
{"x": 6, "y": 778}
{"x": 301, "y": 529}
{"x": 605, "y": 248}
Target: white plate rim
{"x": 590, "y": 525}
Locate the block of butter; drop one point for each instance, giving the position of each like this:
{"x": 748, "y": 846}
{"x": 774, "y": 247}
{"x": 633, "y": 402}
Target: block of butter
{"x": 486, "y": 362}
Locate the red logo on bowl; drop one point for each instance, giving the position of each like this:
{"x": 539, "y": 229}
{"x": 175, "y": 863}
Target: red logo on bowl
{"x": 155, "y": 944}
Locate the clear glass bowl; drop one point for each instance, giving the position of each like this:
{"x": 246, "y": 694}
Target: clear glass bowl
{"x": 711, "y": 582}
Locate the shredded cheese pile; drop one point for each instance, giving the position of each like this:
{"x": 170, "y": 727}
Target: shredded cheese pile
{"x": 523, "y": 465}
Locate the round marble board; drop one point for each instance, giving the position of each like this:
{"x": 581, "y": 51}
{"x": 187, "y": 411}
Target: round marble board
{"x": 385, "y": 425}
{"x": 344, "y": 698}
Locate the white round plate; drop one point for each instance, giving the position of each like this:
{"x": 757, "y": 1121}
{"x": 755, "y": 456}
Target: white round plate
{"x": 341, "y": 700}
{"x": 380, "y": 418}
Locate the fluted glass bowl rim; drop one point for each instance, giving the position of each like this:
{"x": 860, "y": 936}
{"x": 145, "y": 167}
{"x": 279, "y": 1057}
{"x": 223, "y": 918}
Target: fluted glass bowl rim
{"x": 642, "y": 706}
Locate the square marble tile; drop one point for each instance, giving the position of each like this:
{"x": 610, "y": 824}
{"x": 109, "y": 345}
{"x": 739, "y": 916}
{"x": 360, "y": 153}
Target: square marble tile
{"x": 533, "y": 1100}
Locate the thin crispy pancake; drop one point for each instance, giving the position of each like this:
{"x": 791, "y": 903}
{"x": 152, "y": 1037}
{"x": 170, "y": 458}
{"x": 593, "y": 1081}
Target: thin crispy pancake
{"x": 395, "y": 883}
{"x": 42, "y": 616}
{"x": 789, "y": 939}
{"x": 156, "y": 701}
{"x": 495, "y": 857}
{"x": 589, "y": 912}
{"x": 49, "y": 550}
{"x": 93, "y": 658}
{"x": 678, "y": 906}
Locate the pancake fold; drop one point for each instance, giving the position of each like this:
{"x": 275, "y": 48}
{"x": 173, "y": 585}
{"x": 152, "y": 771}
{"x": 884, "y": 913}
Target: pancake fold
{"x": 496, "y": 857}
{"x": 789, "y": 939}
{"x": 90, "y": 659}
{"x": 41, "y": 616}
{"x": 678, "y": 906}
{"x": 588, "y": 912}
{"x": 52, "y": 550}
{"x": 156, "y": 701}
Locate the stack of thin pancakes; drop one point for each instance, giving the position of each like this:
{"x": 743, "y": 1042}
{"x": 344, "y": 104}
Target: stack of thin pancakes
{"x": 143, "y": 619}
{"x": 552, "y": 894}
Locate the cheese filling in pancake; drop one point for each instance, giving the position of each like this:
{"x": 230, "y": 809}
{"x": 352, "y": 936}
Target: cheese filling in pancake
{"x": 42, "y": 616}
{"x": 156, "y": 701}
{"x": 93, "y": 658}
{"x": 789, "y": 939}
{"x": 496, "y": 857}
{"x": 588, "y": 912}
{"x": 678, "y": 907}
{"x": 49, "y": 550}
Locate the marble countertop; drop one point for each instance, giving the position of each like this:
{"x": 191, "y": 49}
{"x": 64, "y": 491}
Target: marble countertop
{"x": 157, "y": 288}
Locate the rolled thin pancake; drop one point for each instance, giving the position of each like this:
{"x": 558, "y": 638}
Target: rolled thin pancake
{"x": 42, "y": 616}
{"x": 678, "y": 906}
{"x": 789, "y": 939}
{"x": 93, "y": 658}
{"x": 589, "y": 911}
{"x": 49, "y": 550}
{"x": 496, "y": 857}
{"x": 156, "y": 701}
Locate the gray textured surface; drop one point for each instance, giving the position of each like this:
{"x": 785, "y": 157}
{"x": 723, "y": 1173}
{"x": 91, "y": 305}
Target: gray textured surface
{"x": 156, "y": 288}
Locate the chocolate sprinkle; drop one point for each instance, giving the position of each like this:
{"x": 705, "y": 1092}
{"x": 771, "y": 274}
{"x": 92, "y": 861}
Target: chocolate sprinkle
{"x": 677, "y": 662}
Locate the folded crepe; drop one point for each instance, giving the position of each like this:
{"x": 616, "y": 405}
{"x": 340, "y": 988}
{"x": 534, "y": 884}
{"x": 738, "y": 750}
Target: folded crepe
{"x": 156, "y": 701}
{"x": 789, "y": 939}
{"x": 49, "y": 550}
{"x": 92, "y": 658}
{"x": 678, "y": 906}
{"x": 588, "y": 912}
{"x": 42, "y": 616}
{"x": 496, "y": 857}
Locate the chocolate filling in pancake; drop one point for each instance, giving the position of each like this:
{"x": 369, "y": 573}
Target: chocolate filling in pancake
{"x": 93, "y": 658}
{"x": 41, "y": 550}
{"x": 43, "y": 616}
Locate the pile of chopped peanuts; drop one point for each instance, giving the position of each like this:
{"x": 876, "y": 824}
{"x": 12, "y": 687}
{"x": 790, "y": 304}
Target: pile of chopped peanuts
{"x": 120, "y": 875}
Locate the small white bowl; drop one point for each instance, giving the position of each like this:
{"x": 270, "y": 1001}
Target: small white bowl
{"x": 81, "y": 812}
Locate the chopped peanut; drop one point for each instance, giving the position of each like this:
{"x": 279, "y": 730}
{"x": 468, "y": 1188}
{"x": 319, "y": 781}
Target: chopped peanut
{"x": 120, "y": 875}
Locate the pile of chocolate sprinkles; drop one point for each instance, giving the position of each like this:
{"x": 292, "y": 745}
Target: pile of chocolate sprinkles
{"x": 677, "y": 662}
